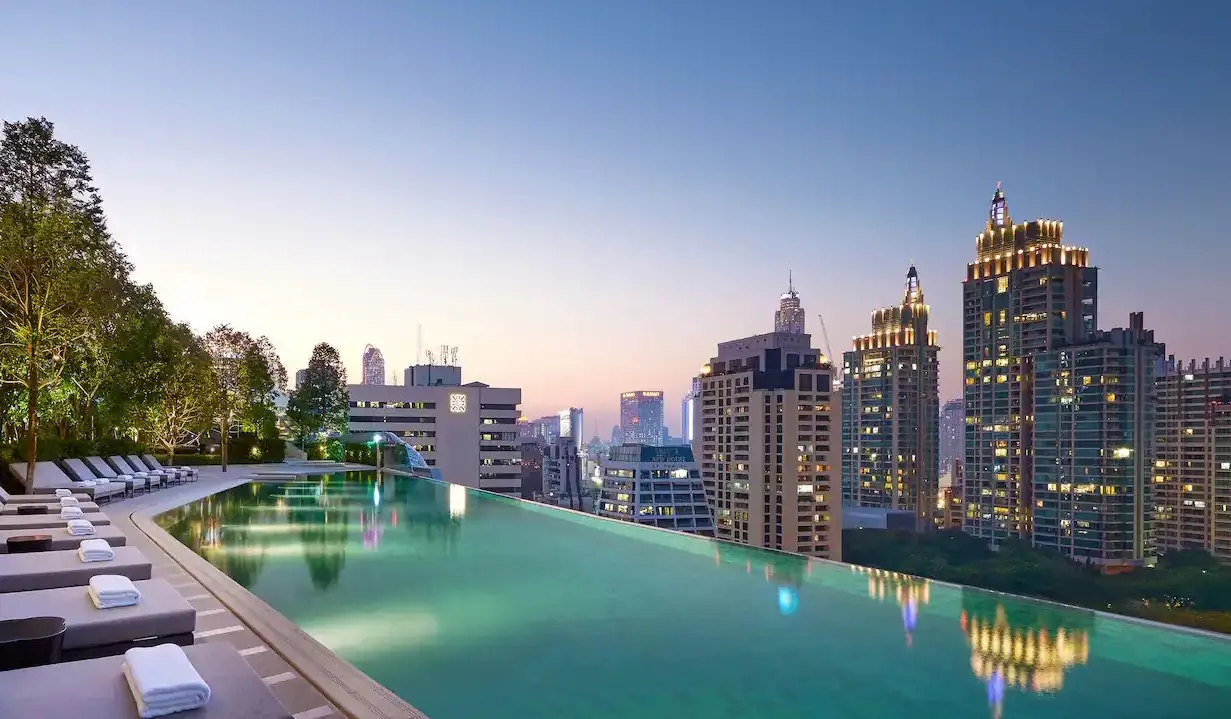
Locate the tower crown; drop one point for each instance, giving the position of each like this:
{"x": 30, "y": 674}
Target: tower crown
{"x": 998, "y": 215}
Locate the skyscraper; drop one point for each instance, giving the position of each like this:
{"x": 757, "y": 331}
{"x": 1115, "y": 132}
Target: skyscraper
{"x": 570, "y": 423}
{"x": 1025, "y": 293}
{"x": 952, "y": 433}
{"x": 790, "y": 316}
{"x": 890, "y": 411}
{"x": 1192, "y": 468}
{"x": 1094, "y": 444}
{"x": 373, "y": 366}
{"x": 688, "y": 411}
{"x": 641, "y": 417}
{"x": 766, "y": 444}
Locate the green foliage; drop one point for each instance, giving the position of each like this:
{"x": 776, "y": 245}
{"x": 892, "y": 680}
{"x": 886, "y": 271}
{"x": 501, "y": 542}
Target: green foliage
{"x": 55, "y": 448}
{"x": 319, "y": 405}
{"x": 185, "y": 406}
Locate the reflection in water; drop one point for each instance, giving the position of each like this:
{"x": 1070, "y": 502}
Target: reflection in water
{"x": 908, "y": 591}
{"x": 784, "y": 570}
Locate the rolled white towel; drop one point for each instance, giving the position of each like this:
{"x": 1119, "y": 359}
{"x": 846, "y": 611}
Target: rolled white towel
{"x": 108, "y": 591}
{"x": 67, "y": 513}
{"x": 64, "y": 493}
{"x": 95, "y": 550}
{"x": 87, "y": 483}
{"x": 163, "y": 681}
{"x": 69, "y": 502}
{"x": 80, "y": 527}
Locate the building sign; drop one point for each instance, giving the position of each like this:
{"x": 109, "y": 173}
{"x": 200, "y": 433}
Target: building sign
{"x": 457, "y": 403}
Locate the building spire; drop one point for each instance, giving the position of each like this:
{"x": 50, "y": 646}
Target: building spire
{"x": 998, "y": 216}
{"x": 914, "y": 289}
{"x": 790, "y": 281}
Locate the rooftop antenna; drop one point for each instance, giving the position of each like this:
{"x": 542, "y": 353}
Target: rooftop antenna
{"x": 453, "y": 356}
{"x": 429, "y": 356}
{"x": 418, "y": 343}
{"x": 444, "y": 354}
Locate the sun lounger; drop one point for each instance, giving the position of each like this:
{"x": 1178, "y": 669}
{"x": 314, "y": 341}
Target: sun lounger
{"x": 61, "y": 539}
{"x": 49, "y": 570}
{"x": 80, "y": 471}
{"x": 48, "y": 477}
{"x": 50, "y": 501}
{"x": 122, "y": 466}
{"x": 171, "y": 475}
{"x": 96, "y": 689}
{"x": 48, "y": 521}
{"x": 161, "y": 616}
{"x": 9, "y": 500}
{"x": 102, "y": 469}
{"x": 152, "y": 462}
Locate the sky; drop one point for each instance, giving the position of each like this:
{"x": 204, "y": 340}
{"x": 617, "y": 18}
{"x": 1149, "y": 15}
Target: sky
{"x": 586, "y": 197}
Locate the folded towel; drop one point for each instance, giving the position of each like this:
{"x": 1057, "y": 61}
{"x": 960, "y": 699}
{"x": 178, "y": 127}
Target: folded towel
{"x": 108, "y": 591}
{"x": 80, "y": 527}
{"x": 69, "y": 502}
{"x": 87, "y": 483}
{"x": 71, "y": 513}
{"x": 64, "y": 493}
{"x": 163, "y": 681}
{"x": 95, "y": 550}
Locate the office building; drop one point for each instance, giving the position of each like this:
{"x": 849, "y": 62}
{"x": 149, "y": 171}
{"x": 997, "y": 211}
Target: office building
{"x": 467, "y": 433}
{"x": 531, "y": 467}
{"x": 641, "y": 418}
{"x": 1192, "y": 473}
{"x": 658, "y": 486}
{"x": 432, "y": 375}
{"x": 1094, "y": 440}
{"x": 571, "y": 424}
{"x": 1025, "y": 293}
{"x": 952, "y": 433}
{"x": 373, "y": 366}
{"x": 301, "y": 376}
{"x": 688, "y": 411}
{"x": 767, "y": 445}
{"x": 789, "y": 317}
{"x": 563, "y": 482}
{"x": 891, "y": 412}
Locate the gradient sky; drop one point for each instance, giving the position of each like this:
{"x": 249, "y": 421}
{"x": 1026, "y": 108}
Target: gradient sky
{"x": 587, "y": 196}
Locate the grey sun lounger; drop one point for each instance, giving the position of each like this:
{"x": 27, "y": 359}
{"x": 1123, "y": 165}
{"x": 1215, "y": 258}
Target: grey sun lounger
{"x": 152, "y": 462}
{"x": 80, "y": 471}
{"x": 61, "y": 539}
{"x": 96, "y": 689}
{"x": 171, "y": 475}
{"x": 48, "y": 477}
{"x": 121, "y": 465}
{"x": 49, "y": 570}
{"x": 161, "y": 616}
{"x": 9, "y": 500}
{"x": 102, "y": 469}
{"x": 49, "y": 521}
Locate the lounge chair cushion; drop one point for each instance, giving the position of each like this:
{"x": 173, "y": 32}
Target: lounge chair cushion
{"x": 49, "y": 570}
{"x": 48, "y": 521}
{"x": 61, "y": 539}
{"x": 162, "y": 612}
{"x": 99, "y": 691}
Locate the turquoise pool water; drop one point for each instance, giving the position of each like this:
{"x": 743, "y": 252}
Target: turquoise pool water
{"x": 470, "y": 605}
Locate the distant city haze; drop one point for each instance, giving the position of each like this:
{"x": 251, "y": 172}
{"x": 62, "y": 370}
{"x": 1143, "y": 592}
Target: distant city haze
{"x": 586, "y": 198}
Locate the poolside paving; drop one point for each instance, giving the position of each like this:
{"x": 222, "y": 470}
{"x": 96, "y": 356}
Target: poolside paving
{"x": 216, "y": 623}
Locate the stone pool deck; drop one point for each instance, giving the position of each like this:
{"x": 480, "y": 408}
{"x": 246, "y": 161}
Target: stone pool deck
{"x": 309, "y": 680}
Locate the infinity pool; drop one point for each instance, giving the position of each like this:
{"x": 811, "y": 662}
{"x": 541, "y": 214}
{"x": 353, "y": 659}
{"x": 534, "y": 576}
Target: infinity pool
{"x": 469, "y": 605}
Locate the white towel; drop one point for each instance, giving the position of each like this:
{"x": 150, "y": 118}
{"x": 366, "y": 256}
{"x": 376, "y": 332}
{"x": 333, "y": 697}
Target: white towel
{"x": 64, "y": 493}
{"x": 80, "y": 527}
{"x": 87, "y": 483}
{"x": 69, "y": 502}
{"x": 95, "y": 550}
{"x": 163, "y": 681}
{"x": 108, "y": 591}
{"x": 71, "y": 513}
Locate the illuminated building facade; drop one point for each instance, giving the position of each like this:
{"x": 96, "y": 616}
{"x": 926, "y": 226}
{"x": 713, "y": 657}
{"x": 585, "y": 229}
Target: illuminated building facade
{"x": 658, "y": 486}
{"x": 949, "y": 511}
{"x": 641, "y": 417}
{"x": 952, "y": 433}
{"x": 373, "y": 366}
{"x": 571, "y": 424}
{"x": 789, "y": 316}
{"x": 1094, "y": 441}
{"x": 1025, "y": 293}
{"x": 1192, "y": 474}
{"x": 891, "y": 411}
{"x": 688, "y": 411}
{"x": 767, "y": 444}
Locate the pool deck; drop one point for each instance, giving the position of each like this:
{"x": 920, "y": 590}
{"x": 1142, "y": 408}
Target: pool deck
{"x": 309, "y": 680}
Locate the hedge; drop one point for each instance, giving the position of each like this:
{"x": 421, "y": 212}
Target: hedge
{"x": 240, "y": 450}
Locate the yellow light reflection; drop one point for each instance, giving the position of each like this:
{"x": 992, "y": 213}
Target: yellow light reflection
{"x": 457, "y": 500}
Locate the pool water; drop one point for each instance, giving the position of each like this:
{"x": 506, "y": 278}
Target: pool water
{"x": 467, "y": 605}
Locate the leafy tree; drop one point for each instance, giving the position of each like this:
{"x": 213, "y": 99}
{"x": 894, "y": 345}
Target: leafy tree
{"x": 185, "y": 405}
{"x": 248, "y": 373}
{"x": 319, "y": 404}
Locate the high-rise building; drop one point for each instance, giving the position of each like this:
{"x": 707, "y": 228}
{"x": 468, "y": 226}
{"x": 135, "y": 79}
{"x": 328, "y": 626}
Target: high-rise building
{"x": 949, "y": 507}
{"x": 789, "y": 316}
{"x": 658, "y": 486}
{"x": 641, "y": 417}
{"x": 570, "y": 424}
{"x": 301, "y": 376}
{"x": 890, "y": 411}
{"x": 373, "y": 366}
{"x": 688, "y": 411}
{"x": 1192, "y": 473}
{"x": 952, "y": 433}
{"x": 563, "y": 482}
{"x": 1094, "y": 443}
{"x": 766, "y": 442}
{"x": 1025, "y": 293}
{"x": 617, "y": 435}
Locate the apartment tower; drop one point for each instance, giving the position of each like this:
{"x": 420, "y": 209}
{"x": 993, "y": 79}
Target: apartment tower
{"x": 891, "y": 411}
{"x": 766, "y": 447}
{"x": 1192, "y": 473}
{"x": 789, "y": 317}
{"x": 1025, "y": 293}
{"x": 373, "y": 366}
{"x": 641, "y": 417}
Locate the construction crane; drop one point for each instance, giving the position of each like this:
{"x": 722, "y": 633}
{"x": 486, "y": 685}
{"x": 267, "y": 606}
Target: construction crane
{"x": 825, "y": 334}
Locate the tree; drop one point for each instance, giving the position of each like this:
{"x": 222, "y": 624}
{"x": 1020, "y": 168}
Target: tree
{"x": 185, "y": 406}
{"x": 320, "y": 403}
{"x": 248, "y": 374}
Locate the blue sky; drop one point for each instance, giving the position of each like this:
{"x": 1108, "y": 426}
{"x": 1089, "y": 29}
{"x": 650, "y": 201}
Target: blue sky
{"x": 587, "y": 196}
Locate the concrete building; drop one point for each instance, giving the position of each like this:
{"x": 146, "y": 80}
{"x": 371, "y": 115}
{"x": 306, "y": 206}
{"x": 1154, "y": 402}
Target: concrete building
{"x": 373, "y": 366}
{"x": 1192, "y": 473}
{"x": 641, "y": 417}
{"x": 572, "y": 421}
{"x": 789, "y": 317}
{"x": 688, "y": 412}
{"x": 768, "y": 445}
{"x": 1094, "y": 441}
{"x": 658, "y": 486}
{"x": 432, "y": 375}
{"x": 891, "y": 411}
{"x": 301, "y": 376}
{"x": 952, "y": 433}
{"x": 949, "y": 510}
{"x": 466, "y": 433}
{"x": 564, "y": 484}
{"x": 1026, "y": 293}
{"x": 531, "y": 467}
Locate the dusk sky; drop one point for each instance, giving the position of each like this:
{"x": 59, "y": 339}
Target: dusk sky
{"x": 586, "y": 197}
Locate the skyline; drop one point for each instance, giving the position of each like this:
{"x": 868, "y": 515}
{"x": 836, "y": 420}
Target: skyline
{"x": 613, "y": 164}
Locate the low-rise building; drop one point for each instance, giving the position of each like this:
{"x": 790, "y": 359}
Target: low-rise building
{"x": 658, "y": 486}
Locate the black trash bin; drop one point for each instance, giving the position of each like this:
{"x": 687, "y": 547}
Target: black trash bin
{"x": 31, "y": 642}
{"x": 29, "y": 543}
{"x": 32, "y": 509}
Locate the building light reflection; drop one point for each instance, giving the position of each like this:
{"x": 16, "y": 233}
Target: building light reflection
{"x": 1027, "y": 658}
{"x": 908, "y": 591}
{"x": 457, "y": 501}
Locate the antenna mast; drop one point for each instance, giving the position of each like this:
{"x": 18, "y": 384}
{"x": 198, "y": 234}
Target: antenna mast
{"x": 418, "y": 343}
